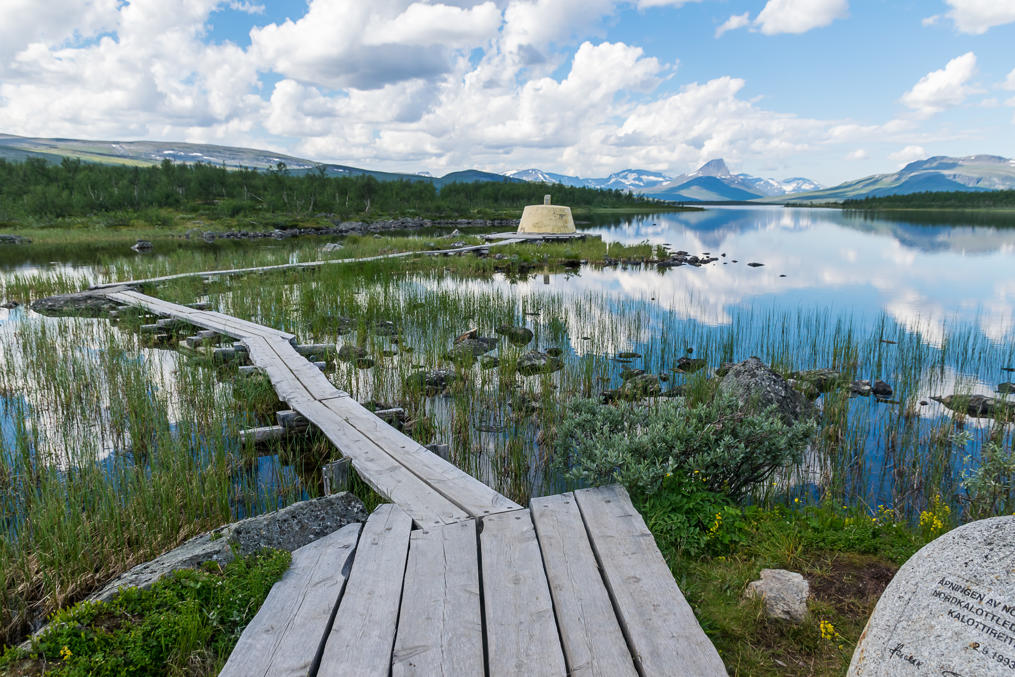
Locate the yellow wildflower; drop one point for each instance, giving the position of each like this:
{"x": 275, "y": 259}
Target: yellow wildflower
{"x": 828, "y": 631}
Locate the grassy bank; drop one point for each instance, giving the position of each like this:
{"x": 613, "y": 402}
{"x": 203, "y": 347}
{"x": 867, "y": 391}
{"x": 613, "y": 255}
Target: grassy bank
{"x": 847, "y": 555}
{"x": 186, "y": 624}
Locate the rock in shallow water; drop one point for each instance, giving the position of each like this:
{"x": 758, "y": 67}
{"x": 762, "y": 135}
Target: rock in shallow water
{"x": 753, "y": 384}
{"x": 350, "y": 352}
{"x": 536, "y": 362}
{"x": 517, "y": 335}
{"x": 977, "y": 406}
{"x": 472, "y": 348}
{"x": 822, "y": 379}
{"x": 434, "y": 380}
{"x": 83, "y": 304}
{"x": 689, "y": 365}
{"x": 881, "y": 389}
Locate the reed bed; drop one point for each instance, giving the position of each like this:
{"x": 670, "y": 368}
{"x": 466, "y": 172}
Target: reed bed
{"x": 111, "y": 453}
{"x": 114, "y": 451}
{"x": 900, "y": 453}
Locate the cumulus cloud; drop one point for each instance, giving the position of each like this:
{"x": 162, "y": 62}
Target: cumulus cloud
{"x": 1009, "y": 82}
{"x": 349, "y": 43}
{"x": 438, "y": 24}
{"x": 942, "y": 88}
{"x": 397, "y": 84}
{"x": 799, "y": 16}
{"x": 858, "y": 154}
{"x": 908, "y": 154}
{"x": 979, "y": 16}
{"x": 733, "y": 23}
{"x": 27, "y": 21}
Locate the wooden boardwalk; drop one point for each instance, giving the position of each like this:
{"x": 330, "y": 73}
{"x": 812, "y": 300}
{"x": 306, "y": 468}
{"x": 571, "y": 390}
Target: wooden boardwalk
{"x": 428, "y": 488}
{"x": 452, "y": 578}
{"x": 574, "y": 585}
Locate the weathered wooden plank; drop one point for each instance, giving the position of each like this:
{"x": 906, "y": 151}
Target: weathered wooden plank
{"x": 249, "y": 327}
{"x": 440, "y": 626}
{"x": 226, "y": 324}
{"x": 659, "y": 624}
{"x": 363, "y": 633}
{"x": 591, "y": 636}
{"x": 521, "y": 633}
{"x": 284, "y": 381}
{"x": 458, "y": 486}
{"x": 286, "y": 637}
{"x": 383, "y": 473}
{"x": 263, "y": 434}
{"x": 316, "y": 383}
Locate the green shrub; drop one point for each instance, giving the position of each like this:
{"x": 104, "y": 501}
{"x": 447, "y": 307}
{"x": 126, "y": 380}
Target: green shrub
{"x": 990, "y": 486}
{"x": 730, "y": 449}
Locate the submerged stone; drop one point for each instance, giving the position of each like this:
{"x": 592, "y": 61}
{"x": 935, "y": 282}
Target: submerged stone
{"x": 475, "y": 346}
{"x": 433, "y": 380}
{"x": 689, "y": 365}
{"x": 385, "y": 328}
{"x": 822, "y": 379}
{"x": 860, "y": 387}
{"x": 977, "y": 406}
{"x": 536, "y": 362}
{"x": 627, "y": 373}
{"x": 83, "y": 304}
{"x": 881, "y": 390}
{"x": 517, "y": 335}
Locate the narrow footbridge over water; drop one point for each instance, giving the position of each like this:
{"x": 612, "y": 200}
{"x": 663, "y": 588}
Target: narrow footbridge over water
{"x": 452, "y": 578}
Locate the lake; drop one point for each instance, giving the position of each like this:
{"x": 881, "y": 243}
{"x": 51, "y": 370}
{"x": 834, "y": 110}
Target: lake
{"x": 928, "y": 308}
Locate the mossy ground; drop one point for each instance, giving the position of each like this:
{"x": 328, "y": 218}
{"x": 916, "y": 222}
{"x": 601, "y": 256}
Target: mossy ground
{"x": 848, "y": 557}
{"x": 186, "y": 624}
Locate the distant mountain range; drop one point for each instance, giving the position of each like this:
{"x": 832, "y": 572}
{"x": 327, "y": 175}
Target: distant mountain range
{"x": 146, "y": 153}
{"x": 935, "y": 174}
{"x": 712, "y": 182}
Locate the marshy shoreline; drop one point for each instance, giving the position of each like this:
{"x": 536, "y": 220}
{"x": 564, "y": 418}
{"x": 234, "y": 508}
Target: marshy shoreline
{"x": 132, "y": 426}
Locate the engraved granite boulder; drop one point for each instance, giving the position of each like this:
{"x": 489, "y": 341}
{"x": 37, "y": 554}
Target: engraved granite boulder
{"x": 950, "y": 610}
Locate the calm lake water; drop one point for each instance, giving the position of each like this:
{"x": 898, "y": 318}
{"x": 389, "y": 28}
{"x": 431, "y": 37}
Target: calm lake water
{"x": 944, "y": 291}
{"x": 919, "y": 274}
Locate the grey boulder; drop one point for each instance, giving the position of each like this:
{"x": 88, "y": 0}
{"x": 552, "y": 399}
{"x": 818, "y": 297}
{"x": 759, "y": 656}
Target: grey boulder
{"x": 783, "y": 592}
{"x": 756, "y": 386}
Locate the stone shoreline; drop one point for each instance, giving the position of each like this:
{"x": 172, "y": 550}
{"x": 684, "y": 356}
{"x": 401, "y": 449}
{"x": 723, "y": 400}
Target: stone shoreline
{"x": 350, "y": 228}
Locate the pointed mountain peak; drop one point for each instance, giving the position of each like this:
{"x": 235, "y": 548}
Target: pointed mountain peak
{"x": 715, "y": 168}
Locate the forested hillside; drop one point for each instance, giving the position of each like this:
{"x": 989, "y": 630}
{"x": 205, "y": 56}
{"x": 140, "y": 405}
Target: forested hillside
{"x": 995, "y": 199}
{"x": 73, "y": 188}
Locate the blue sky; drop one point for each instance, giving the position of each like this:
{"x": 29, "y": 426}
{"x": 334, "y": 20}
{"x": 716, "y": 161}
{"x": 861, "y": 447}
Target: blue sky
{"x": 827, "y": 89}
